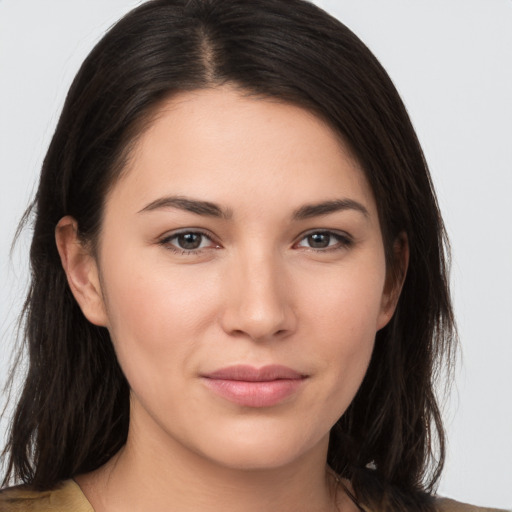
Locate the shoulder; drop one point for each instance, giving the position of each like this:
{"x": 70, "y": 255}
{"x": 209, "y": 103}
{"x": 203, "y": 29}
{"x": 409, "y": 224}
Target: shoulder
{"x": 448, "y": 505}
{"x": 65, "y": 497}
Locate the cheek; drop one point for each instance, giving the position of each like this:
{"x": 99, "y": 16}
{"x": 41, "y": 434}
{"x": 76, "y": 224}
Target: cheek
{"x": 155, "y": 317}
{"x": 342, "y": 321}
{"x": 348, "y": 302}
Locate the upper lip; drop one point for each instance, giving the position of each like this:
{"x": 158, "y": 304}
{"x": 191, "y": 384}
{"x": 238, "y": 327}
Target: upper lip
{"x": 248, "y": 373}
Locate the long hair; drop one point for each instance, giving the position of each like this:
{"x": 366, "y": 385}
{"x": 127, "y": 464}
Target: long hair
{"x": 73, "y": 413}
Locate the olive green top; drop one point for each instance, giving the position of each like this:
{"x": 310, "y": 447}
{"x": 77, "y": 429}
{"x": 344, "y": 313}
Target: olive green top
{"x": 68, "y": 497}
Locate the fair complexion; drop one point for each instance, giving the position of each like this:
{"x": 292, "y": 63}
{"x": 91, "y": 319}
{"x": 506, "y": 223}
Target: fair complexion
{"x": 242, "y": 232}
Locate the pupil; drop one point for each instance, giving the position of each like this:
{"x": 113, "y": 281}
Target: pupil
{"x": 189, "y": 240}
{"x": 319, "y": 240}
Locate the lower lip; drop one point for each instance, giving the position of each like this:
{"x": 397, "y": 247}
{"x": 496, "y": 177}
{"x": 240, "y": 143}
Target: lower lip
{"x": 254, "y": 394}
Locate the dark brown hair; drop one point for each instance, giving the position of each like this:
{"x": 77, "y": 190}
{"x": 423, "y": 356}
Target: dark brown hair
{"x": 73, "y": 413}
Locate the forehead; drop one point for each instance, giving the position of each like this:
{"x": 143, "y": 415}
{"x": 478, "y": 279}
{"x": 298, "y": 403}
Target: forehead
{"x": 222, "y": 143}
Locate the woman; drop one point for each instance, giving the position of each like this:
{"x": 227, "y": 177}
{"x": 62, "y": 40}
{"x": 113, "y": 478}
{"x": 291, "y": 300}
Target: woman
{"x": 239, "y": 290}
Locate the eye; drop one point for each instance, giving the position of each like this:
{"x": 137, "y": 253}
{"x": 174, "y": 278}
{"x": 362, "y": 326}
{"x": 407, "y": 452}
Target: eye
{"x": 188, "y": 242}
{"x": 328, "y": 240}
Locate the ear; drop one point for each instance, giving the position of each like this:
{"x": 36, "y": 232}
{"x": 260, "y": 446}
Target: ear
{"x": 394, "y": 279}
{"x": 81, "y": 271}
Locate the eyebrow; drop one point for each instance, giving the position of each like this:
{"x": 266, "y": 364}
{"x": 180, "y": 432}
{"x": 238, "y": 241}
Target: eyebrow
{"x": 326, "y": 207}
{"x": 210, "y": 209}
{"x": 190, "y": 205}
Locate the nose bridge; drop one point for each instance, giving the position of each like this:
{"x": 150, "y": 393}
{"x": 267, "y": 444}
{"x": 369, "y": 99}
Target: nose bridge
{"x": 259, "y": 305}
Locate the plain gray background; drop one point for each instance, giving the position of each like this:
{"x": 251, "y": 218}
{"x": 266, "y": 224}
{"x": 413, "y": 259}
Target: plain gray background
{"x": 452, "y": 62}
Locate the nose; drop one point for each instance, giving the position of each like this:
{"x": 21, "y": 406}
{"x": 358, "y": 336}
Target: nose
{"x": 258, "y": 300}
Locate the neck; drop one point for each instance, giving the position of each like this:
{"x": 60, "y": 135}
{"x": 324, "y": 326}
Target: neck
{"x": 154, "y": 472}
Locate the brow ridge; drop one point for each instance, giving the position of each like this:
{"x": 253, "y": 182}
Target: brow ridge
{"x": 210, "y": 209}
{"x": 326, "y": 207}
{"x": 196, "y": 206}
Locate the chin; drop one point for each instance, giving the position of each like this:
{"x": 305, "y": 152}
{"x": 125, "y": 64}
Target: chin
{"x": 265, "y": 449}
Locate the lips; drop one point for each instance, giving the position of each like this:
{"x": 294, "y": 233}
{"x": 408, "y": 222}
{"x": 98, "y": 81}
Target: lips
{"x": 255, "y": 387}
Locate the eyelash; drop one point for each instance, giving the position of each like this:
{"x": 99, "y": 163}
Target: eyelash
{"x": 166, "y": 242}
{"x": 344, "y": 241}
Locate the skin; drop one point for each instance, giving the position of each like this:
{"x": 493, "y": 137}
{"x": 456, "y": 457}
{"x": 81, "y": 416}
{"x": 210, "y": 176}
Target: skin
{"x": 255, "y": 292}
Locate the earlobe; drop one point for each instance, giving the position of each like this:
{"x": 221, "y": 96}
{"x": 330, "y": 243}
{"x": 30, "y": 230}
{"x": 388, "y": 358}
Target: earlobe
{"x": 81, "y": 271}
{"x": 394, "y": 279}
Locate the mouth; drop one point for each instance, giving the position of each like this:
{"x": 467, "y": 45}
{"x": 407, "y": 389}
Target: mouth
{"x": 255, "y": 387}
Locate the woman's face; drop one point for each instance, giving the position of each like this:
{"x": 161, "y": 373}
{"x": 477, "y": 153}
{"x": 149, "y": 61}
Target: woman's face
{"x": 242, "y": 270}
